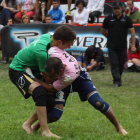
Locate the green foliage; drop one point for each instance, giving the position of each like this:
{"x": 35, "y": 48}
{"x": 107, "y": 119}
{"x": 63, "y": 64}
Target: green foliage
{"x": 80, "y": 121}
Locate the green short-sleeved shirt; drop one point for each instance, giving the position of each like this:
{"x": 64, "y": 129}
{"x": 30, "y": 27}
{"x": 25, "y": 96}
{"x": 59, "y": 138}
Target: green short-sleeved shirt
{"x": 135, "y": 15}
{"x": 33, "y": 56}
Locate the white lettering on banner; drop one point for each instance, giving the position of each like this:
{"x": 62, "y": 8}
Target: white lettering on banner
{"x": 76, "y": 53}
{"x": 81, "y": 43}
{"x": 25, "y": 37}
{"x": 88, "y": 40}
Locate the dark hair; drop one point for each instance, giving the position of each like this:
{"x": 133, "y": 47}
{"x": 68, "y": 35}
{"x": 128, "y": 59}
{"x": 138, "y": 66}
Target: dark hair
{"x": 9, "y": 19}
{"x": 81, "y": 1}
{"x": 131, "y": 0}
{"x": 90, "y": 50}
{"x": 55, "y": 0}
{"x": 53, "y": 63}
{"x": 64, "y": 33}
{"x": 48, "y": 15}
{"x": 40, "y": 12}
{"x": 136, "y": 45}
{"x": 13, "y": 2}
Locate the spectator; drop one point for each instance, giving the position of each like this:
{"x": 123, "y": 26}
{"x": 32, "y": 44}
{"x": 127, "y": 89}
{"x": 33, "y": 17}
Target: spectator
{"x": 95, "y": 9}
{"x": 1, "y": 26}
{"x": 42, "y": 12}
{"x": 132, "y": 11}
{"x": 80, "y": 15}
{"x": 68, "y": 13}
{"x": 10, "y": 8}
{"x": 115, "y": 28}
{"x": 93, "y": 59}
{"x": 57, "y": 13}
{"x": 9, "y": 21}
{"x": 28, "y": 7}
{"x": 133, "y": 62}
{"x": 25, "y": 19}
{"x": 48, "y": 2}
{"x": 48, "y": 19}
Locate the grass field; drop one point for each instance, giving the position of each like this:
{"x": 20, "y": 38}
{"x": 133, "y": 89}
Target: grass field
{"x": 80, "y": 121}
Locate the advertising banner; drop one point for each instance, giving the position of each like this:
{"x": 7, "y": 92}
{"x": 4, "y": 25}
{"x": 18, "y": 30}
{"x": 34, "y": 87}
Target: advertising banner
{"x": 16, "y": 37}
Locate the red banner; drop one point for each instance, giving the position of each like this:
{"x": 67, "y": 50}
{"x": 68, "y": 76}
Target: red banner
{"x": 121, "y": 1}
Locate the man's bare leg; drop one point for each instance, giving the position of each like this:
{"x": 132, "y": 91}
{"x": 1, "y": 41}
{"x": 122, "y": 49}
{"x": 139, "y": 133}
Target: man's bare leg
{"x": 35, "y": 127}
{"x": 45, "y": 129}
{"x": 69, "y": 4}
{"x": 42, "y": 117}
{"x": 27, "y": 125}
{"x": 111, "y": 116}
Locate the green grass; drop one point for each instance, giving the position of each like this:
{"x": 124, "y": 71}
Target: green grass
{"x": 80, "y": 121}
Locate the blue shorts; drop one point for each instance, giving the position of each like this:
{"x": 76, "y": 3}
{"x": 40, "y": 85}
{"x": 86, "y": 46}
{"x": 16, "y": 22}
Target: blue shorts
{"x": 83, "y": 85}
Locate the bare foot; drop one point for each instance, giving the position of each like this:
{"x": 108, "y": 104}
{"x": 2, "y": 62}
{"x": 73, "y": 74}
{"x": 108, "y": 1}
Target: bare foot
{"x": 27, "y": 128}
{"x": 122, "y": 131}
{"x": 50, "y": 135}
{"x": 34, "y": 128}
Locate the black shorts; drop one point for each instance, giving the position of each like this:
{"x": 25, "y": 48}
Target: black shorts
{"x": 22, "y": 81}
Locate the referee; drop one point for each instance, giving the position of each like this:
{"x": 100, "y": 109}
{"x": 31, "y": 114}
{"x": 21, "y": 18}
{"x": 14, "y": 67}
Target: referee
{"x": 115, "y": 28}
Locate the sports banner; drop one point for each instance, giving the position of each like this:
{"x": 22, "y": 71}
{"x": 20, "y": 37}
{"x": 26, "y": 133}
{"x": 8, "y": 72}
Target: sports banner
{"x": 16, "y": 37}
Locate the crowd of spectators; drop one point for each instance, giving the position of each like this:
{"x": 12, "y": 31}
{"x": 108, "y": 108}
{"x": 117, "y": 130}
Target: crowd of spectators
{"x": 10, "y": 8}
{"x": 85, "y": 12}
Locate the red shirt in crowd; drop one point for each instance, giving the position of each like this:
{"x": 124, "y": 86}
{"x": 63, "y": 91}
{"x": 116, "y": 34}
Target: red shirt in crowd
{"x": 133, "y": 55}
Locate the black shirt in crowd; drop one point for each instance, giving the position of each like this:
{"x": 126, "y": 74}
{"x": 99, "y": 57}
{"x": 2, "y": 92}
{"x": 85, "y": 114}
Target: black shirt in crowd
{"x": 117, "y": 30}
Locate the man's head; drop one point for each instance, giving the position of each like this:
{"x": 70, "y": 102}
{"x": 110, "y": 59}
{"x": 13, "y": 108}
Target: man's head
{"x": 130, "y": 4}
{"x": 55, "y": 3}
{"x": 64, "y": 36}
{"x": 91, "y": 51}
{"x": 53, "y": 68}
{"x": 48, "y": 19}
{"x": 117, "y": 8}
